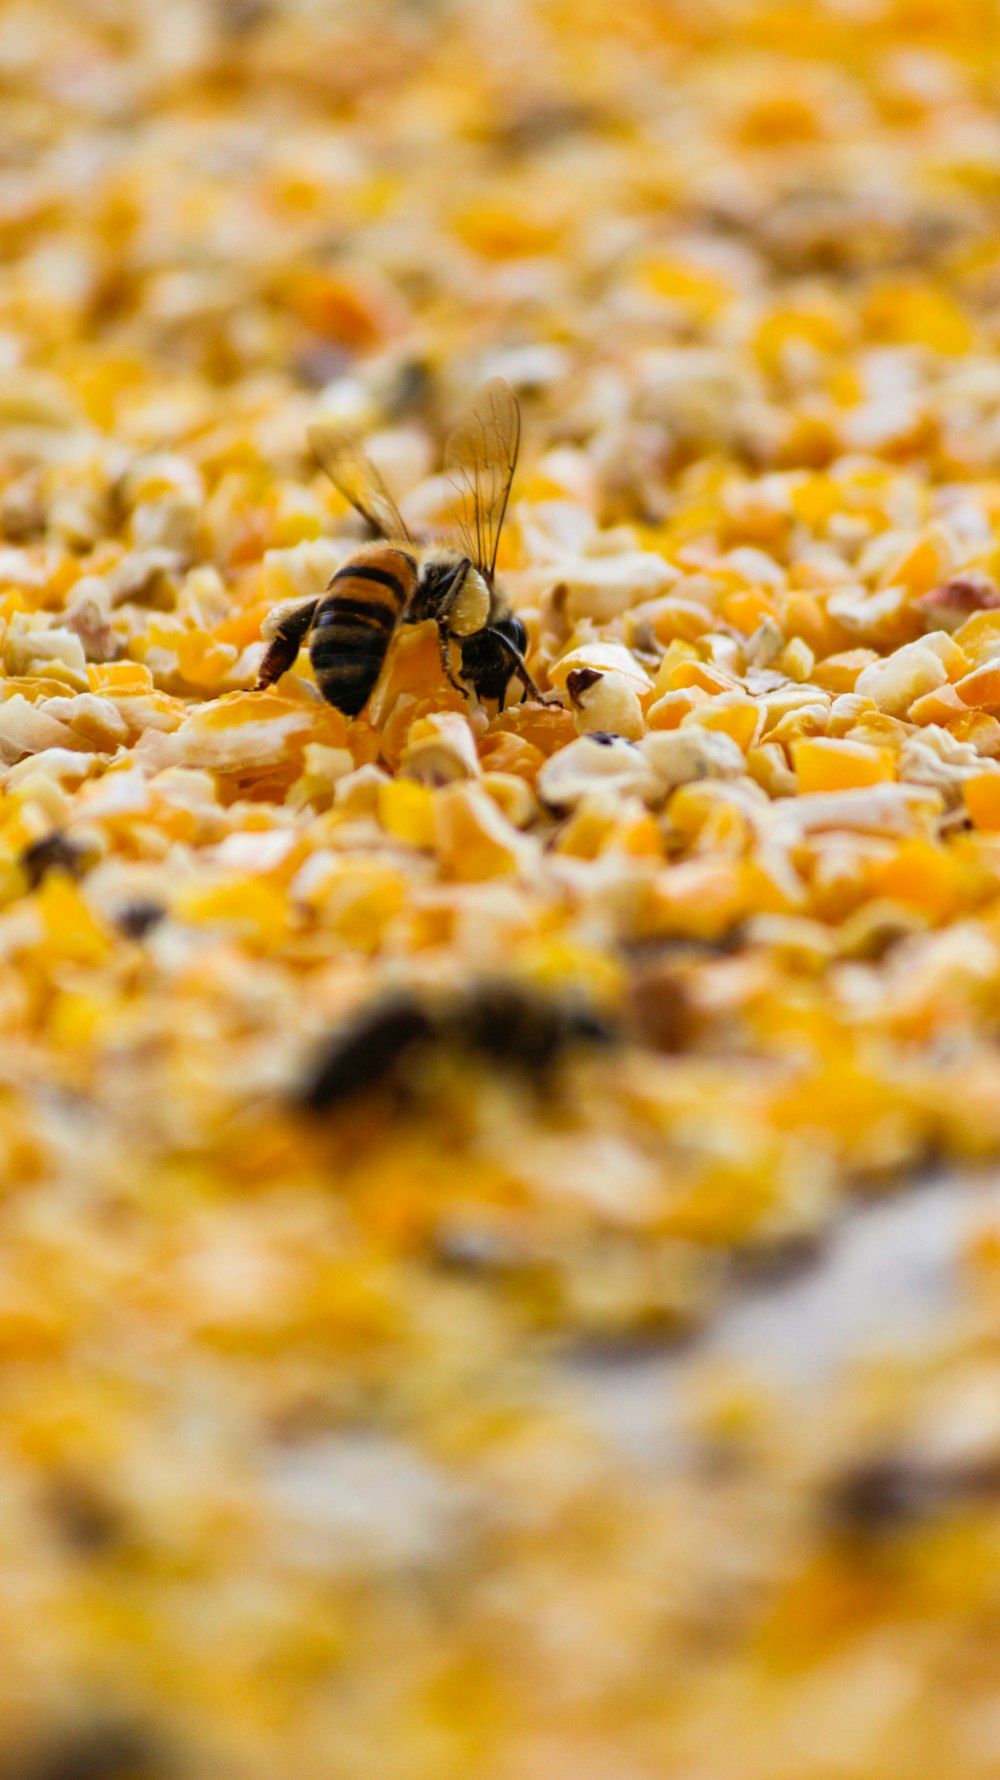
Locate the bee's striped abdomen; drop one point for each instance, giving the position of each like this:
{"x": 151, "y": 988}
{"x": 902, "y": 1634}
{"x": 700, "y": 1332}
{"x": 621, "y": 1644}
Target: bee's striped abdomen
{"x": 353, "y": 625}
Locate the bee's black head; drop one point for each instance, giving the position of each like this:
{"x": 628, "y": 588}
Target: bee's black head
{"x": 486, "y": 662}
{"x": 514, "y": 631}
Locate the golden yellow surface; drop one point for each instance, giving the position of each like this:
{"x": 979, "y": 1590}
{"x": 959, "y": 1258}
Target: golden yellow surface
{"x": 296, "y": 1472}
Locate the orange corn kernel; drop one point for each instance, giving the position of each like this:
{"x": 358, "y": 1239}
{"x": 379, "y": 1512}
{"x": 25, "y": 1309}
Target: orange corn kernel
{"x": 801, "y": 615}
{"x": 505, "y": 231}
{"x": 921, "y": 876}
{"x": 346, "y": 309}
{"x": 545, "y": 727}
{"x": 13, "y": 600}
{"x": 839, "y": 673}
{"x": 699, "y": 673}
{"x": 977, "y": 727}
{"x": 746, "y": 609}
{"x": 676, "y": 653}
{"x": 670, "y": 711}
{"x": 699, "y": 289}
{"x": 726, "y": 829}
{"x": 981, "y": 688}
{"x": 243, "y": 628}
{"x": 982, "y": 799}
{"x": 827, "y": 764}
{"x": 810, "y": 441}
{"x": 678, "y": 620}
{"x": 729, "y": 714}
{"x": 640, "y": 835}
{"x": 131, "y": 677}
{"x": 921, "y": 565}
{"x": 413, "y": 665}
{"x": 979, "y": 635}
{"x": 506, "y": 753}
{"x": 939, "y": 706}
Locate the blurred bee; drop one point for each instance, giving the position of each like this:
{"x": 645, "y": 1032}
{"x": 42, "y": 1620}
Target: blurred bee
{"x": 392, "y": 582}
{"x": 503, "y": 1025}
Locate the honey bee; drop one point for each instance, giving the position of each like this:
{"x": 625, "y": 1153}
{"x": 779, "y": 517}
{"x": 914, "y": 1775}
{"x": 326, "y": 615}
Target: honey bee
{"x": 503, "y": 1025}
{"x": 390, "y": 582}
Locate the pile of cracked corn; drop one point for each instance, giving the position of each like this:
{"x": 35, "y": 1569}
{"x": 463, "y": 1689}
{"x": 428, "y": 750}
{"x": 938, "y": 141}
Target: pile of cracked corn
{"x": 296, "y": 1470}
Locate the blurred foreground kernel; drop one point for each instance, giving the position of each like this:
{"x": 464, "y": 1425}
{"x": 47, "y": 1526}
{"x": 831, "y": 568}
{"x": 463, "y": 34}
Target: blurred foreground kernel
{"x": 474, "y": 839}
{"x": 982, "y": 799}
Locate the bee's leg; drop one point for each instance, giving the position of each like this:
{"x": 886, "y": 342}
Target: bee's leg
{"x": 520, "y": 666}
{"x": 443, "y": 641}
{"x": 285, "y": 645}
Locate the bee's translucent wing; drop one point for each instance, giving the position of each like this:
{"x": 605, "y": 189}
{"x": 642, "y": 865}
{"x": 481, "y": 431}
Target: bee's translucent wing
{"x": 480, "y": 458}
{"x": 351, "y": 470}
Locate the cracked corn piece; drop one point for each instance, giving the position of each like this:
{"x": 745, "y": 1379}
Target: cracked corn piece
{"x": 630, "y": 993}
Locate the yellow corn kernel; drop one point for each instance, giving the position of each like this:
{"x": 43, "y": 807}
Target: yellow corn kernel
{"x": 700, "y": 290}
{"x": 357, "y": 899}
{"x": 76, "y": 1021}
{"x": 730, "y": 713}
{"x": 406, "y": 811}
{"x": 676, "y": 653}
{"x": 203, "y": 661}
{"x": 917, "y": 315}
{"x": 698, "y": 899}
{"x": 797, "y": 660}
{"x": 474, "y": 840}
{"x": 513, "y": 795}
{"x": 691, "y": 806}
{"x": 815, "y": 499}
{"x": 249, "y": 907}
{"x": 816, "y": 327}
{"x": 585, "y": 834}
